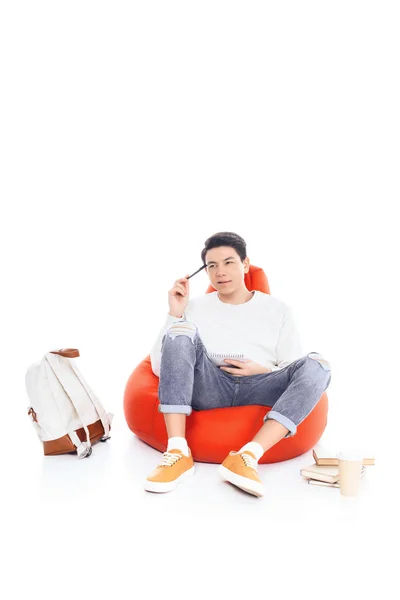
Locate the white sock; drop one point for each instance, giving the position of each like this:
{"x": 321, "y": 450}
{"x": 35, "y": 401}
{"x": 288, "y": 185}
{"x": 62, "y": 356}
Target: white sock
{"x": 178, "y": 443}
{"x": 254, "y": 448}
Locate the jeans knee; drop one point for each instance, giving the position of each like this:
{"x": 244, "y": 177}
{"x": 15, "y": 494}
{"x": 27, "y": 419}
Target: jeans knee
{"x": 319, "y": 359}
{"x": 182, "y": 328}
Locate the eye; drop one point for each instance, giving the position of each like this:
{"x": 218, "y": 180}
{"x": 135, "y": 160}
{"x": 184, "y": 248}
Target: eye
{"x": 229, "y": 262}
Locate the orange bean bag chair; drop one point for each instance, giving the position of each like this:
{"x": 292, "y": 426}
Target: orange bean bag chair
{"x": 212, "y": 434}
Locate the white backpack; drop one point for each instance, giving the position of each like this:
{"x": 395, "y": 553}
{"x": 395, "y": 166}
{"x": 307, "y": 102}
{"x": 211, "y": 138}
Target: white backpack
{"x": 65, "y": 412}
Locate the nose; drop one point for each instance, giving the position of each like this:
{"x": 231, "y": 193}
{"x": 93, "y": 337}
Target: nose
{"x": 220, "y": 274}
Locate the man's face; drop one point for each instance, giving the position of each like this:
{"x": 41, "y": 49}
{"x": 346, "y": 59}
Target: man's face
{"x": 225, "y": 269}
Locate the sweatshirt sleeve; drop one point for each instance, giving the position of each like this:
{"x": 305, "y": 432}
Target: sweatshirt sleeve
{"x": 289, "y": 347}
{"x": 155, "y": 354}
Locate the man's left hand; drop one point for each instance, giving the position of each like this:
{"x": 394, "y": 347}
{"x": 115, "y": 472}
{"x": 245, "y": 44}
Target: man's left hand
{"x": 244, "y": 368}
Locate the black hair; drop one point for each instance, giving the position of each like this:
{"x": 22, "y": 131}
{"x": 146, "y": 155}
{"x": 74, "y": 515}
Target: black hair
{"x": 225, "y": 238}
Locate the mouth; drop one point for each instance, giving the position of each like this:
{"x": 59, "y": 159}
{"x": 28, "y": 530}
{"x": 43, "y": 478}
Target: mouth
{"x": 223, "y": 282}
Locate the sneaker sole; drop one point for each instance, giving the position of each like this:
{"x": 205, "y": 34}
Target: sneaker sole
{"x": 161, "y": 487}
{"x": 248, "y": 485}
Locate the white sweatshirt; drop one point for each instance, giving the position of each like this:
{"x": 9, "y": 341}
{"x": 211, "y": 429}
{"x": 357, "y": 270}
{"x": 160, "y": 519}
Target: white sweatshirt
{"x": 262, "y": 329}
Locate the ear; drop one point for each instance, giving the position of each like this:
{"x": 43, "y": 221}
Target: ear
{"x": 246, "y": 264}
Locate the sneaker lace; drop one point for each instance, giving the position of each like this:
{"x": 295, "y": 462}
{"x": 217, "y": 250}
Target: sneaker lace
{"x": 169, "y": 459}
{"x": 249, "y": 461}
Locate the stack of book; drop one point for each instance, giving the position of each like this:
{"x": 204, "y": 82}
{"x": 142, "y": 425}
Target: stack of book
{"x": 325, "y": 470}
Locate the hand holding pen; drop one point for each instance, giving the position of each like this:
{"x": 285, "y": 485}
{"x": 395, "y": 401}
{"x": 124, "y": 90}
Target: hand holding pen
{"x": 178, "y": 295}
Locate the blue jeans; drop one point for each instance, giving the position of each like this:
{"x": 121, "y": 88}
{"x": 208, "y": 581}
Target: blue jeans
{"x": 189, "y": 380}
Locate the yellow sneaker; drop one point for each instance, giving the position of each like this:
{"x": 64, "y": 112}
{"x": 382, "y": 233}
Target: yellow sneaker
{"x": 174, "y": 468}
{"x": 240, "y": 469}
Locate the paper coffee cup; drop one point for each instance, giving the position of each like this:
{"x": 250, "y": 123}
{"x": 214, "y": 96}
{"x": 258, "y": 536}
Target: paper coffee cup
{"x": 350, "y": 465}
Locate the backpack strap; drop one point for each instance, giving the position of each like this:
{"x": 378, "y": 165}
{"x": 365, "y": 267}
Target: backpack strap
{"x": 66, "y": 383}
{"x": 106, "y": 418}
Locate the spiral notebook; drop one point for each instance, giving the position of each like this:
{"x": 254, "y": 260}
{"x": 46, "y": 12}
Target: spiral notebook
{"x": 219, "y": 358}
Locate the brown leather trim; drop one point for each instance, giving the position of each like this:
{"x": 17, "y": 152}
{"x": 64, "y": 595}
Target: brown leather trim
{"x": 96, "y": 430}
{"x": 60, "y": 446}
{"x": 67, "y": 352}
{"x": 64, "y": 444}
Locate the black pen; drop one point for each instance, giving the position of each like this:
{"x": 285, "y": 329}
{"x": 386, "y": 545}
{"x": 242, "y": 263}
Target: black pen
{"x": 198, "y": 270}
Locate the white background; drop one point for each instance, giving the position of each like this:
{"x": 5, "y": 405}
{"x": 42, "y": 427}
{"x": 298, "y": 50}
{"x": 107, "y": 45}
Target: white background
{"x": 131, "y": 132}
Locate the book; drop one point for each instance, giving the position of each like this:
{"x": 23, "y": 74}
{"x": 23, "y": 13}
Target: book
{"x": 323, "y": 456}
{"x": 336, "y": 484}
{"x": 329, "y": 473}
{"x": 219, "y": 358}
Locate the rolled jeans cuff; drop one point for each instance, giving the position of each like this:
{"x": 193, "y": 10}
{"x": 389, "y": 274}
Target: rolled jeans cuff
{"x": 181, "y": 409}
{"x": 283, "y": 421}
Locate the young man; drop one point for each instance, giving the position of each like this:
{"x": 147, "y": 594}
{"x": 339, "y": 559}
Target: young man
{"x": 232, "y": 320}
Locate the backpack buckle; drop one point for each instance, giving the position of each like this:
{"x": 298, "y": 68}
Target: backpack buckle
{"x": 84, "y": 453}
